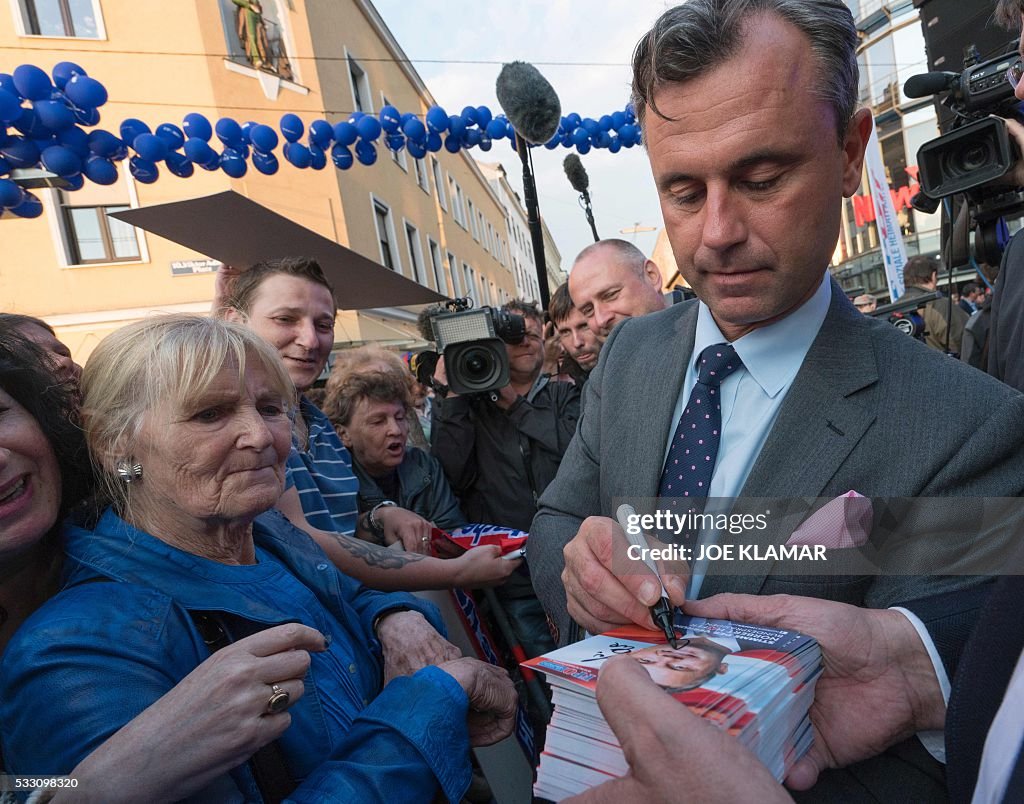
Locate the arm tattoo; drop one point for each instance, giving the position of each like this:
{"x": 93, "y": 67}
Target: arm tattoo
{"x": 374, "y": 556}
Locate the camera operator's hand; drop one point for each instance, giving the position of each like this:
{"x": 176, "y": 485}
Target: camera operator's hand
{"x": 441, "y": 377}
{"x": 507, "y": 397}
{"x": 492, "y": 699}
{"x": 1014, "y": 177}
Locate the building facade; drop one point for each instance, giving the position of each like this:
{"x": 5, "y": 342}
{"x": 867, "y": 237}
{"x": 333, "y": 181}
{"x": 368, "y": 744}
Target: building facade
{"x": 436, "y": 221}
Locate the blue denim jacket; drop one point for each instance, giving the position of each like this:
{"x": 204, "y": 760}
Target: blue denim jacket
{"x": 98, "y": 654}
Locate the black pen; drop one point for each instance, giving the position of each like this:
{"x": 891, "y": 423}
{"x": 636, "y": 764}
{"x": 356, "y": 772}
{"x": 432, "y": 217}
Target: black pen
{"x": 661, "y": 612}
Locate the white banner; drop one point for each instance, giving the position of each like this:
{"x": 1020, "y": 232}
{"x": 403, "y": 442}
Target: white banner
{"x": 894, "y": 254}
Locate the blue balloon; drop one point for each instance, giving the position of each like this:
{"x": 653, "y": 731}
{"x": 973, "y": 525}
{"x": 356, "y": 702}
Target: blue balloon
{"x": 395, "y": 142}
{"x": 369, "y": 129}
{"x": 30, "y": 125}
{"x": 580, "y": 136}
{"x": 7, "y": 84}
{"x": 54, "y": 115}
{"x": 87, "y": 117}
{"x": 11, "y": 194}
{"x": 471, "y": 137}
{"x": 469, "y": 115}
{"x": 415, "y": 130}
{"x": 85, "y": 92}
{"x": 583, "y": 147}
{"x": 366, "y": 153}
{"x": 75, "y": 139}
{"x": 496, "y": 129}
{"x": 567, "y": 140}
{"x": 417, "y": 150}
{"x": 132, "y": 128}
{"x": 405, "y": 118}
{"x": 103, "y": 143}
{"x": 616, "y": 145}
{"x": 573, "y": 120}
{"x": 630, "y": 113}
{"x": 10, "y": 107}
{"x": 618, "y": 120}
{"x": 317, "y": 156}
{"x": 31, "y": 207}
{"x": 345, "y": 133}
{"x": 292, "y": 127}
{"x": 341, "y": 156}
{"x": 199, "y": 151}
{"x": 247, "y": 127}
{"x": 605, "y": 122}
{"x": 485, "y": 143}
{"x": 64, "y": 71}
{"x": 298, "y": 154}
{"x": 232, "y": 163}
{"x": 456, "y": 125}
{"x": 390, "y": 119}
{"x": 150, "y": 147}
{"x": 591, "y": 126}
{"x": 321, "y": 133}
{"x": 143, "y": 170}
{"x": 437, "y": 120}
{"x": 21, "y": 152}
{"x": 627, "y": 133}
{"x": 197, "y": 126}
{"x": 554, "y": 142}
{"x": 230, "y": 133}
{"x": 171, "y": 135}
{"x": 263, "y": 138}
{"x": 355, "y": 117}
{"x": 483, "y": 116}
{"x": 265, "y": 162}
{"x": 179, "y": 164}
{"x": 74, "y": 182}
{"x": 5, "y": 166}
{"x": 452, "y": 143}
{"x": 434, "y": 143}
{"x": 99, "y": 170}
{"x": 32, "y": 83}
{"x": 603, "y": 140}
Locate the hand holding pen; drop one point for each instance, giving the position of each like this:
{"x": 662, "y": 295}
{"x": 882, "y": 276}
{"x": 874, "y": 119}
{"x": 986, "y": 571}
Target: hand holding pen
{"x": 662, "y": 611}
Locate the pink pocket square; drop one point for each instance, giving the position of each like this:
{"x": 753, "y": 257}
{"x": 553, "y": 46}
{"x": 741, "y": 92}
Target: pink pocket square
{"x": 842, "y": 522}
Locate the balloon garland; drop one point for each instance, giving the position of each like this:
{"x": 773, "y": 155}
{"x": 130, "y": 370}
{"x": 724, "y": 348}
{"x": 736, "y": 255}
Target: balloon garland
{"x": 49, "y": 119}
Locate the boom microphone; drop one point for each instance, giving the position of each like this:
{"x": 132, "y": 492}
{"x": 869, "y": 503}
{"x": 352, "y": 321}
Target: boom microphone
{"x": 576, "y": 173}
{"x": 925, "y": 84}
{"x": 530, "y": 103}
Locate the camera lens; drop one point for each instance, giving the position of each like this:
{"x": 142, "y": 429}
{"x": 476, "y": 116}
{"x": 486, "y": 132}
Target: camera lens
{"x": 971, "y": 157}
{"x": 476, "y": 365}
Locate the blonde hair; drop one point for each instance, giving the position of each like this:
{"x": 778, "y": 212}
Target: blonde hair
{"x": 165, "y": 359}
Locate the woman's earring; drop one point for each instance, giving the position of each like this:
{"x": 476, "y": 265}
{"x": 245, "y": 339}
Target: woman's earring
{"x": 129, "y": 472}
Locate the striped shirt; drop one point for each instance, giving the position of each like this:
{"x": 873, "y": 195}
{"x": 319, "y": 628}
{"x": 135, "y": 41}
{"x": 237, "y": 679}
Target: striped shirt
{"x": 322, "y": 474}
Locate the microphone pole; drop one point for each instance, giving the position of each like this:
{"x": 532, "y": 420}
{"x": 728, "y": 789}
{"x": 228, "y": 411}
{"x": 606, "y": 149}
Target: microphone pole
{"x": 533, "y": 219}
{"x": 585, "y": 200}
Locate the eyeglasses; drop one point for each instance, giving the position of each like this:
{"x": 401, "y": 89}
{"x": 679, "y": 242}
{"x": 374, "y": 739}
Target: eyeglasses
{"x": 1015, "y": 74}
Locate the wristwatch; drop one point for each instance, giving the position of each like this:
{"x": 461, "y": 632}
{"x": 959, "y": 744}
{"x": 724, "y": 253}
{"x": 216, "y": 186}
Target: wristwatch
{"x": 371, "y": 520}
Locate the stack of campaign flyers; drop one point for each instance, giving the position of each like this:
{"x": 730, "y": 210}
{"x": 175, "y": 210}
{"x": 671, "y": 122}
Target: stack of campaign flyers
{"x": 755, "y": 682}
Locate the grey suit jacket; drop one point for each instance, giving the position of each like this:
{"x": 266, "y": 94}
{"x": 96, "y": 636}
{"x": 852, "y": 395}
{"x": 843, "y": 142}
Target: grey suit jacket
{"x": 870, "y": 410}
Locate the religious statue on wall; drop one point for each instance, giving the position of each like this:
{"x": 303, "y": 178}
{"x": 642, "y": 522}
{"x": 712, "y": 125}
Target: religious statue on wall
{"x": 252, "y": 32}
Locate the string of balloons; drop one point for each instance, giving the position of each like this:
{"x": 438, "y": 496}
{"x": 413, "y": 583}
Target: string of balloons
{"x": 44, "y": 117}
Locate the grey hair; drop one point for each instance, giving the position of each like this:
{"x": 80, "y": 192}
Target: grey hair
{"x": 695, "y": 37}
{"x": 627, "y": 253}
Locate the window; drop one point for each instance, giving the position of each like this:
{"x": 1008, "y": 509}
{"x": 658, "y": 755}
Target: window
{"x": 257, "y": 40}
{"x": 470, "y": 284}
{"x": 398, "y": 157}
{"x": 437, "y": 265}
{"x": 453, "y": 268}
{"x": 472, "y": 220}
{"x": 483, "y": 230}
{"x": 78, "y": 18}
{"x": 90, "y": 236}
{"x": 386, "y": 236}
{"x": 435, "y": 168}
{"x": 360, "y": 87}
{"x": 455, "y": 193}
{"x": 412, "y": 242}
{"x": 422, "y": 179}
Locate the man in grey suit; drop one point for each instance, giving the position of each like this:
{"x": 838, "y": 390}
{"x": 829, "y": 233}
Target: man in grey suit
{"x": 750, "y": 121}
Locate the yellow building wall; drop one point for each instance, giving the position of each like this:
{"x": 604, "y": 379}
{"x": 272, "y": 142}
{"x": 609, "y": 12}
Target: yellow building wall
{"x": 160, "y": 63}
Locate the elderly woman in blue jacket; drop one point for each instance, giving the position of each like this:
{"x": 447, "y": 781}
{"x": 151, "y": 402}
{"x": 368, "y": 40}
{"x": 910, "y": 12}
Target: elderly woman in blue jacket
{"x": 189, "y": 424}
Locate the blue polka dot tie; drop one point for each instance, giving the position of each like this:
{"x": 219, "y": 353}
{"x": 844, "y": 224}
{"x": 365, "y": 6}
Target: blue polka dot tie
{"x": 691, "y": 458}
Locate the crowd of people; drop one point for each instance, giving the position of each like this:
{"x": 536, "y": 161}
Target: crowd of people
{"x": 207, "y": 555}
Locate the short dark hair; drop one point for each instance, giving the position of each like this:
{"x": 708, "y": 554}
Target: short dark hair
{"x": 26, "y": 377}
{"x": 526, "y": 309}
{"x": 698, "y": 36}
{"x": 18, "y": 320}
{"x": 1008, "y": 13}
{"x": 970, "y": 287}
{"x": 244, "y": 286}
{"x": 560, "y": 307}
{"x": 919, "y": 268}
{"x": 376, "y": 386}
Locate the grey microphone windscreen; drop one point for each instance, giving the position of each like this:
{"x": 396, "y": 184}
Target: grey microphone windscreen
{"x": 576, "y": 173}
{"x": 529, "y": 102}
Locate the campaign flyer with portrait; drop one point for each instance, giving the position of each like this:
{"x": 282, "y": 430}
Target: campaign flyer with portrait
{"x": 755, "y": 682}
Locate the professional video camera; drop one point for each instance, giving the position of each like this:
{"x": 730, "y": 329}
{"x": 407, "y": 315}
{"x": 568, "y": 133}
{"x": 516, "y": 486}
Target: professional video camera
{"x": 976, "y": 150}
{"x": 906, "y": 315}
{"x": 473, "y": 345}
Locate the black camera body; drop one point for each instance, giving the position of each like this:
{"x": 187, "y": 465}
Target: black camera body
{"x": 473, "y": 344}
{"x": 978, "y": 147}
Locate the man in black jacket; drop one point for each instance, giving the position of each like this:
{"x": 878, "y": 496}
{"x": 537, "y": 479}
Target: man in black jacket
{"x": 500, "y": 456}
